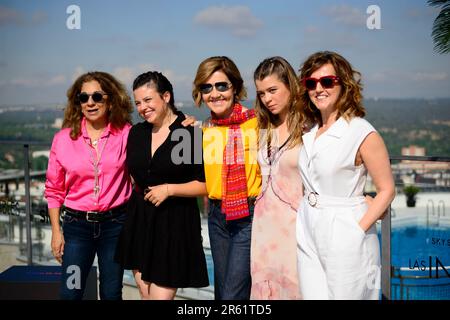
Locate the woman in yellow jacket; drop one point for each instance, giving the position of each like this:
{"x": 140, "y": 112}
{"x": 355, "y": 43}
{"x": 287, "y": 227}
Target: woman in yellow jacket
{"x": 233, "y": 178}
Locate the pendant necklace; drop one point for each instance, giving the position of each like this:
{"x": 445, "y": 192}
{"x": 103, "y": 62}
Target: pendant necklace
{"x": 96, "y": 161}
{"x": 273, "y": 151}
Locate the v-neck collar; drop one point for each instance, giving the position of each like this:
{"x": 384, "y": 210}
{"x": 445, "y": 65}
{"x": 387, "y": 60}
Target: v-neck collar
{"x": 175, "y": 124}
{"x": 314, "y": 145}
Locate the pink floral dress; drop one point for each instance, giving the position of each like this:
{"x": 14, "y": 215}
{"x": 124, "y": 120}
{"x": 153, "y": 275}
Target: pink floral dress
{"x": 274, "y": 245}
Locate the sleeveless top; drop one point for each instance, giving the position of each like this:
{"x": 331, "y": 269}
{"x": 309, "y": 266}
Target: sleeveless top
{"x": 327, "y": 164}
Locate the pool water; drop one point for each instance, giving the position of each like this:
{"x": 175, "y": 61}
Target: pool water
{"x": 410, "y": 245}
{"x": 413, "y": 250}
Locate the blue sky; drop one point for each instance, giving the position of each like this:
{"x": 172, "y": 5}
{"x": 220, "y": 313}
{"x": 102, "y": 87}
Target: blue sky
{"x": 40, "y": 56}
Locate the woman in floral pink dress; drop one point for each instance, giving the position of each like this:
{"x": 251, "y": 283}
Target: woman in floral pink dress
{"x": 280, "y": 119}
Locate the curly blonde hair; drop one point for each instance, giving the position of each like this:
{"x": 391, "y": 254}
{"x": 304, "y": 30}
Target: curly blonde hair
{"x": 266, "y": 120}
{"x": 119, "y": 103}
{"x": 349, "y": 103}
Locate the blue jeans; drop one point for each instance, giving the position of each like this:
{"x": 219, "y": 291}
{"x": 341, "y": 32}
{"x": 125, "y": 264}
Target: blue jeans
{"x": 83, "y": 240}
{"x": 230, "y": 248}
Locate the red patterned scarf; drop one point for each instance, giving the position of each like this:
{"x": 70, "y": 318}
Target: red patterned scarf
{"x": 234, "y": 179}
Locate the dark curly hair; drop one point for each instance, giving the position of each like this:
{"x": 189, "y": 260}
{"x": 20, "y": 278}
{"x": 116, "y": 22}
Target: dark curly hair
{"x": 120, "y": 107}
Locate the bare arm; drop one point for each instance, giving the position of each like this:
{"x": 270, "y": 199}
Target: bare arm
{"x": 57, "y": 243}
{"x": 190, "y": 189}
{"x": 158, "y": 194}
{"x": 376, "y": 159}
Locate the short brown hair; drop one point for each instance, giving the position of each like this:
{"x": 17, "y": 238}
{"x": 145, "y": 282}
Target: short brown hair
{"x": 120, "y": 107}
{"x": 349, "y": 103}
{"x": 220, "y": 63}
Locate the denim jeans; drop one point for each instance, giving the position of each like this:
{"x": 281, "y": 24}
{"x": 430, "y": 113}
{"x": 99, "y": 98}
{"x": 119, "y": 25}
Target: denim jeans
{"x": 230, "y": 248}
{"x": 83, "y": 240}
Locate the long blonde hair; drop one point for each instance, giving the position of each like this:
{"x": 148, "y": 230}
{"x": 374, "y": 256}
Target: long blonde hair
{"x": 266, "y": 120}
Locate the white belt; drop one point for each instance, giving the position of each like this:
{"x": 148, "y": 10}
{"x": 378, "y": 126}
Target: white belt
{"x": 322, "y": 201}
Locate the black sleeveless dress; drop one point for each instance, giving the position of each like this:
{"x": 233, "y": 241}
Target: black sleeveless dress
{"x": 164, "y": 243}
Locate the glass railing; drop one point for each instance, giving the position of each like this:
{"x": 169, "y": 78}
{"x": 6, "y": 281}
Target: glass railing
{"x": 415, "y": 235}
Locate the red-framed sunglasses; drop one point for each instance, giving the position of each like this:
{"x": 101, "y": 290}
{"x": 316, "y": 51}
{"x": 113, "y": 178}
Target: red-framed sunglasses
{"x": 327, "y": 82}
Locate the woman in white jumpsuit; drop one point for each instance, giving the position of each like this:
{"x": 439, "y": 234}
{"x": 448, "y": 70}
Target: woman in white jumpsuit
{"x": 338, "y": 251}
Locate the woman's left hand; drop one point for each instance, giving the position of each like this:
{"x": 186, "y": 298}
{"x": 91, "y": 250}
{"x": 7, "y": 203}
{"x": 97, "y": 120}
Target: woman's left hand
{"x": 157, "y": 194}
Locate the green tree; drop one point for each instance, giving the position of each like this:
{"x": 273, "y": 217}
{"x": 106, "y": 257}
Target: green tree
{"x": 441, "y": 26}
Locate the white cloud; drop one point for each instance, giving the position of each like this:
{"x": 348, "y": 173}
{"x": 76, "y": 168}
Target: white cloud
{"x": 377, "y": 77}
{"x": 125, "y": 75}
{"x": 313, "y": 38}
{"x": 177, "y": 79}
{"x": 78, "y": 72}
{"x": 39, "y": 17}
{"x": 56, "y": 80}
{"x": 345, "y": 14}
{"x": 311, "y": 30}
{"x": 38, "y": 81}
{"x": 239, "y": 19}
{"x": 398, "y": 75}
{"x": 9, "y": 16}
{"x": 422, "y": 13}
{"x": 430, "y": 76}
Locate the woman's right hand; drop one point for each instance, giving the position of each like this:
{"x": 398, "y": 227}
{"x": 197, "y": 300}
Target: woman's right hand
{"x": 57, "y": 245}
{"x": 189, "y": 121}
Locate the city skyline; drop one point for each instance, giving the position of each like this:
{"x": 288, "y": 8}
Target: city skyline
{"x": 43, "y": 50}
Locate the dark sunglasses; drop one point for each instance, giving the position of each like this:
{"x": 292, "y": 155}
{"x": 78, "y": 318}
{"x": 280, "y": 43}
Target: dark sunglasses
{"x": 97, "y": 96}
{"x": 327, "y": 82}
{"x": 220, "y": 86}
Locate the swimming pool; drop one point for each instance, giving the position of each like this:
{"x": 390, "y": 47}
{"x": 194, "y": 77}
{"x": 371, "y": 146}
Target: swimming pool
{"x": 420, "y": 257}
{"x": 411, "y": 249}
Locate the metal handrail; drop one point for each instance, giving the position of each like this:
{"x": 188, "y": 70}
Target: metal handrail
{"x": 443, "y": 208}
{"x": 386, "y": 270}
{"x": 421, "y": 158}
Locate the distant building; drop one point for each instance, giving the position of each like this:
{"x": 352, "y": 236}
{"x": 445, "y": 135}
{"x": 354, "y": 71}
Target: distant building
{"x": 9, "y": 157}
{"x": 421, "y": 166}
{"x": 45, "y": 153}
{"x": 428, "y": 175}
{"x": 58, "y": 123}
{"x": 413, "y": 151}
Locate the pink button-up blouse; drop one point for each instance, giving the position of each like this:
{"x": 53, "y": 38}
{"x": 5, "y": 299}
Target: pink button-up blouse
{"x": 71, "y": 171}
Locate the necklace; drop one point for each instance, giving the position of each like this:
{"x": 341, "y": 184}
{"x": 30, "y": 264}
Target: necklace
{"x": 274, "y": 154}
{"x": 96, "y": 160}
{"x": 273, "y": 151}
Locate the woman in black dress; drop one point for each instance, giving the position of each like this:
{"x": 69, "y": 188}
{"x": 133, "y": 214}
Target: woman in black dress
{"x": 161, "y": 239}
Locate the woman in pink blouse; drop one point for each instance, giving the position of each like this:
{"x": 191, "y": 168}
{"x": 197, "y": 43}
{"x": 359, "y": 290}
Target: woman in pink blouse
{"x": 88, "y": 183}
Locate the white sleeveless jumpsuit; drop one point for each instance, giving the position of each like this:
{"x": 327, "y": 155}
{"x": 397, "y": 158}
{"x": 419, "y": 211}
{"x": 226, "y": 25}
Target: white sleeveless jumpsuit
{"x": 336, "y": 258}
